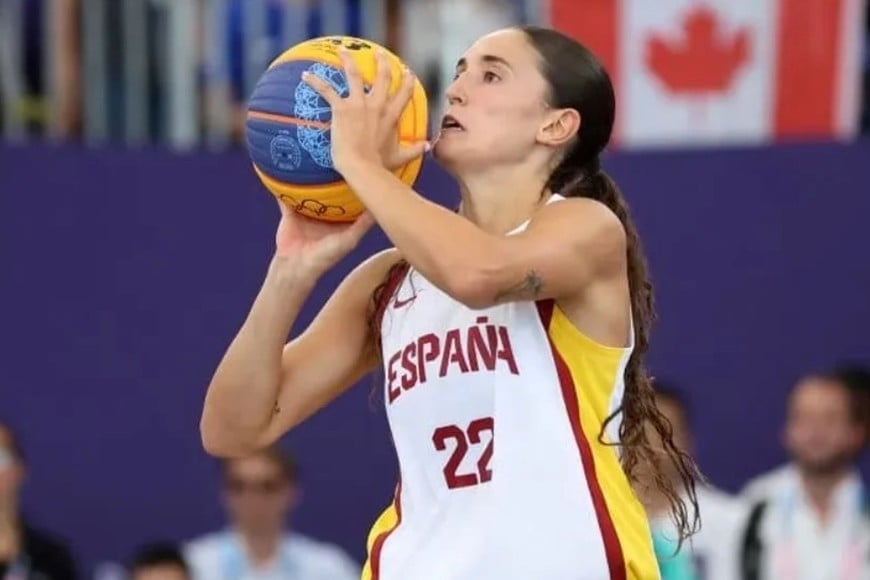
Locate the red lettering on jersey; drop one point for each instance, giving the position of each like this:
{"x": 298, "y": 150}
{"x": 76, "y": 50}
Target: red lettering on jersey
{"x": 453, "y": 353}
{"x": 409, "y": 379}
{"x": 429, "y": 348}
{"x": 505, "y": 352}
{"x": 463, "y": 351}
{"x": 393, "y": 391}
{"x": 477, "y": 346}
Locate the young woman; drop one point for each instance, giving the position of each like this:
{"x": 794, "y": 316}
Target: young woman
{"x": 510, "y": 334}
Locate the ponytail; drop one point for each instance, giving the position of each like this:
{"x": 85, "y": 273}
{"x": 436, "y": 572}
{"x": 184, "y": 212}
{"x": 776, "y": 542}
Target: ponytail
{"x": 639, "y": 459}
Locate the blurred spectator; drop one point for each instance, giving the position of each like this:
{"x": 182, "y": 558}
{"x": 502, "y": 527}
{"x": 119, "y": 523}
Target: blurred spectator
{"x": 810, "y": 519}
{"x": 856, "y": 378}
{"x": 159, "y": 561}
{"x": 260, "y": 491}
{"x": 24, "y": 551}
{"x": 243, "y": 56}
{"x": 40, "y": 80}
{"x": 712, "y": 553}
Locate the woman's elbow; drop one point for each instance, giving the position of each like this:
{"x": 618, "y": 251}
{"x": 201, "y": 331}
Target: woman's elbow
{"x": 216, "y": 444}
{"x": 474, "y": 289}
{"x": 223, "y": 442}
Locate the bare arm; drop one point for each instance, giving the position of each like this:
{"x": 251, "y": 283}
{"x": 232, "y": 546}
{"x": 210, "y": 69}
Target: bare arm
{"x": 567, "y": 246}
{"x": 563, "y": 252}
{"x": 262, "y": 387}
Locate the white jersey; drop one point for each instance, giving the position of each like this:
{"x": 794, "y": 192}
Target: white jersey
{"x": 495, "y": 416}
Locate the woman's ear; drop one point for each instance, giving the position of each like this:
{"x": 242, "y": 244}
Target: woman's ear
{"x": 559, "y": 128}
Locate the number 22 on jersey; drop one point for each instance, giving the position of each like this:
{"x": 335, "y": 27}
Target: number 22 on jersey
{"x": 477, "y": 438}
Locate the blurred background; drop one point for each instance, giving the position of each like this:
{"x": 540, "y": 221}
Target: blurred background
{"x": 134, "y": 235}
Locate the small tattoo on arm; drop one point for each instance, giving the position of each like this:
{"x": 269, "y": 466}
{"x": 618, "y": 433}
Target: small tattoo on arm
{"x": 528, "y": 289}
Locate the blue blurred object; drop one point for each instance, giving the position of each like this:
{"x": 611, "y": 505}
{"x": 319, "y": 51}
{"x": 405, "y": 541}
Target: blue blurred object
{"x": 276, "y": 12}
{"x": 673, "y": 564}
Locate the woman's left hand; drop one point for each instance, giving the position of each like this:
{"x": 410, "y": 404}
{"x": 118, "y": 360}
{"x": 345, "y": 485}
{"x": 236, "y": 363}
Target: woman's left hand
{"x": 364, "y": 125}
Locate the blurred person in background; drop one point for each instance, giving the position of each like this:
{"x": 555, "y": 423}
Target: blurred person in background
{"x": 227, "y": 68}
{"x": 159, "y": 561}
{"x": 25, "y": 553}
{"x": 810, "y": 520}
{"x": 260, "y": 491}
{"x": 40, "y": 81}
{"x": 856, "y": 377}
{"x": 712, "y": 553}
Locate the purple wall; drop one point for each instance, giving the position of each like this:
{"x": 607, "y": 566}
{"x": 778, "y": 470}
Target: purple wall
{"x": 124, "y": 276}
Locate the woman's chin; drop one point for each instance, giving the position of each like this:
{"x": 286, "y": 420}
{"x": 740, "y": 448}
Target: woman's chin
{"x": 446, "y": 154}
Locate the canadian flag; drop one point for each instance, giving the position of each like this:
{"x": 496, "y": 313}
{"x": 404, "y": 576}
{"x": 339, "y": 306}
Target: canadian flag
{"x": 725, "y": 71}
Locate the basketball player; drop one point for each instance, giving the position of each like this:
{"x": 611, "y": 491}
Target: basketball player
{"x": 510, "y": 334}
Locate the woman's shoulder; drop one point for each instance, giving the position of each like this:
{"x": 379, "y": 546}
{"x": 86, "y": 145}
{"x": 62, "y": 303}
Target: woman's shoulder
{"x": 376, "y": 268}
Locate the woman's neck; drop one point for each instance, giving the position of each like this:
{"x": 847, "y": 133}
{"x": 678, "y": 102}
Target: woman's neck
{"x": 500, "y": 204}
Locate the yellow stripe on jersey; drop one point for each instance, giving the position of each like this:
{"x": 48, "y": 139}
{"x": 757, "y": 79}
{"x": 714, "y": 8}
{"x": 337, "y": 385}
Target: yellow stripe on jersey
{"x": 589, "y": 373}
{"x": 386, "y": 523}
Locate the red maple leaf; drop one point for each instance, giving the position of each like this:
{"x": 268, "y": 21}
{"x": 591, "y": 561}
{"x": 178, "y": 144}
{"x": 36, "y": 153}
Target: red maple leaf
{"x": 703, "y": 60}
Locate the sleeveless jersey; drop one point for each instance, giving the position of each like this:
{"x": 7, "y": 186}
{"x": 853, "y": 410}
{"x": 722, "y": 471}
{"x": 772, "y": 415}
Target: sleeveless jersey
{"x": 495, "y": 415}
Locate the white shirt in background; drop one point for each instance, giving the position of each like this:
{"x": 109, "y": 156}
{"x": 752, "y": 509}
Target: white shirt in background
{"x": 219, "y": 556}
{"x": 765, "y": 485}
{"x": 797, "y": 544}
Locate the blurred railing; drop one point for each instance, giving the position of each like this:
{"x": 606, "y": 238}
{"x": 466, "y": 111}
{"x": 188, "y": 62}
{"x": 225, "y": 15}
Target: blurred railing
{"x": 178, "y": 71}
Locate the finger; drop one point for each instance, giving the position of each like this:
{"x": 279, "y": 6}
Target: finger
{"x": 359, "y": 227}
{"x": 407, "y": 153}
{"x": 351, "y": 72}
{"x": 402, "y": 97}
{"x": 323, "y": 88}
{"x": 383, "y": 80}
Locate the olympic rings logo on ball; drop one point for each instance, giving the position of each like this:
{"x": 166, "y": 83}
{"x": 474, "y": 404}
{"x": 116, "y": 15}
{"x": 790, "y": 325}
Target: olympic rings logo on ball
{"x": 314, "y": 206}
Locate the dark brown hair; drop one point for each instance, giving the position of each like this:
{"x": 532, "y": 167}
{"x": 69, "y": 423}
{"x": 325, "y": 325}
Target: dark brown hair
{"x": 159, "y": 554}
{"x": 577, "y": 80}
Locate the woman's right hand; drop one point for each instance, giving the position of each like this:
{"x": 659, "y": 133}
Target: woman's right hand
{"x": 314, "y": 246}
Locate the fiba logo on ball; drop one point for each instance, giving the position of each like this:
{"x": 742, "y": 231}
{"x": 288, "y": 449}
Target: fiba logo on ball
{"x": 286, "y": 154}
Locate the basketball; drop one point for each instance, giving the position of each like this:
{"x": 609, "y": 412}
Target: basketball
{"x": 287, "y": 126}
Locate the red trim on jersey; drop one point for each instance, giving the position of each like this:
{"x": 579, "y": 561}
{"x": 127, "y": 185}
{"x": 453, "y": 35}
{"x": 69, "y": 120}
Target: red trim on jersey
{"x": 385, "y": 293}
{"x": 378, "y": 544}
{"x": 612, "y": 547}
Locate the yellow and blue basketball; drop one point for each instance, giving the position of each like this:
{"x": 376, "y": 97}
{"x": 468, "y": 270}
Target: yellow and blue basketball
{"x": 287, "y": 126}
